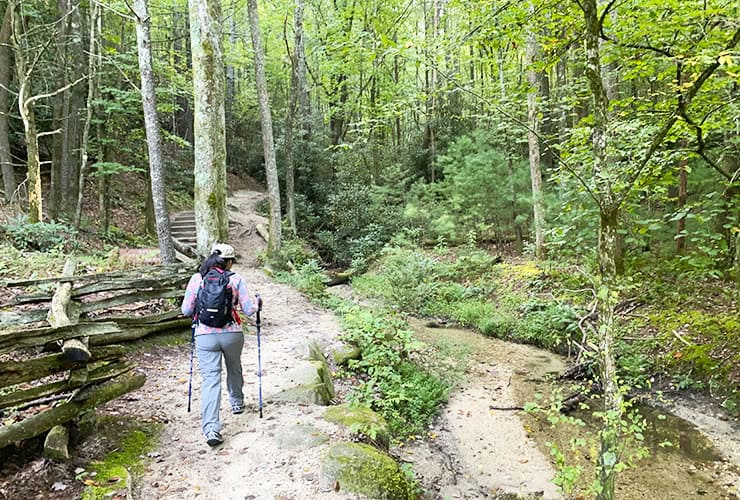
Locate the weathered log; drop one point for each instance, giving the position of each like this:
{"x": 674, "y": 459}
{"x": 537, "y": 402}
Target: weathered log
{"x": 17, "y": 372}
{"x": 88, "y": 398}
{"x": 12, "y": 340}
{"x": 11, "y": 318}
{"x": 59, "y": 315}
{"x": 147, "y": 271}
{"x": 129, "y": 298}
{"x": 335, "y": 279}
{"x": 578, "y": 372}
{"x": 58, "y": 311}
{"x": 56, "y": 444}
{"x": 134, "y": 333}
{"x": 187, "y": 250}
{"x": 162, "y": 283}
{"x": 98, "y": 374}
{"x": 125, "y": 321}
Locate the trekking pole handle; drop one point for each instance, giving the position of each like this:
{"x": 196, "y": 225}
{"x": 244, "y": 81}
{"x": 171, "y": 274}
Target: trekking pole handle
{"x": 259, "y": 308}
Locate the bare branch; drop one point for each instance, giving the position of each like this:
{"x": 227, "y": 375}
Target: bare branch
{"x": 121, "y": 14}
{"x": 50, "y": 132}
{"x": 35, "y": 98}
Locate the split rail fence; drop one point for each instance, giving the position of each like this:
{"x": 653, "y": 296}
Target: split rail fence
{"x": 60, "y": 350}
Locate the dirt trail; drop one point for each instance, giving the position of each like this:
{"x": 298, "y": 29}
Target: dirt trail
{"x": 267, "y": 458}
{"x": 255, "y": 461}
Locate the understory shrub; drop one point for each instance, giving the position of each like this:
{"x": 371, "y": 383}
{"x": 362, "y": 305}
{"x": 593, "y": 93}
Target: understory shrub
{"x": 41, "y": 236}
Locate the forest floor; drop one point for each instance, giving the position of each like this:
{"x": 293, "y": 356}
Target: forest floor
{"x": 471, "y": 451}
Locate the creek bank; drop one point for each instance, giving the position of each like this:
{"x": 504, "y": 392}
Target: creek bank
{"x": 506, "y": 375}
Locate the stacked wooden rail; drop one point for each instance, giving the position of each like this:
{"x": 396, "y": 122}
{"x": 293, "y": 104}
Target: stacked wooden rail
{"x": 83, "y": 321}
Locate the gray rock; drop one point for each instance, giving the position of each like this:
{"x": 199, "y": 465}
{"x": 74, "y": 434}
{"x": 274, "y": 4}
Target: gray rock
{"x": 341, "y": 355}
{"x": 55, "y": 446}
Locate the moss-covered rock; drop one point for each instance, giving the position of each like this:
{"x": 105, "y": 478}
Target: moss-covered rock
{"x": 314, "y": 384}
{"x": 363, "y": 469}
{"x": 343, "y": 354}
{"x": 361, "y": 420}
{"x": 56, "y": 443}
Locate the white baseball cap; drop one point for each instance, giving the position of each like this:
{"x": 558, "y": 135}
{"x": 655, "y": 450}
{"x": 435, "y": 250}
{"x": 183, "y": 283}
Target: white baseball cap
{"x": 226, "y": 251}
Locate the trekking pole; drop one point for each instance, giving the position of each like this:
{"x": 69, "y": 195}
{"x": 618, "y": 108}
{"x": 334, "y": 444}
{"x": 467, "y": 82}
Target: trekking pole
{"x": 192, "y": 348}
{"x": 259, "y": 355}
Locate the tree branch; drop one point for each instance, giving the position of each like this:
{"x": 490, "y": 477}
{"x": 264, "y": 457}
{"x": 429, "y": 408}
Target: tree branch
{"x": 684, "y": 100}
{"x": 35, "y": 98}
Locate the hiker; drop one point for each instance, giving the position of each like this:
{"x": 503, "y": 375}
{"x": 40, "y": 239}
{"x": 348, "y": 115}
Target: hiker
{"x": 210, "y": 299}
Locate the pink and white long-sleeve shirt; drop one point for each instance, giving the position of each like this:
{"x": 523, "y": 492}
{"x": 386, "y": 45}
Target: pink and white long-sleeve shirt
{"x": 241, "y": 297}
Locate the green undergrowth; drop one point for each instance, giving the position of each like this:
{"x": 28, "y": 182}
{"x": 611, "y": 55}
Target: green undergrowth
{"x": 468, "y": 287}
{"x": 393, "y": 375}
{"x": 682, "y": 332}
{"x": 130, "y": 441}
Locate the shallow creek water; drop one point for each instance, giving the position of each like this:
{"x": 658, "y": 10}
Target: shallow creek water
{"x": 690, "y": 467}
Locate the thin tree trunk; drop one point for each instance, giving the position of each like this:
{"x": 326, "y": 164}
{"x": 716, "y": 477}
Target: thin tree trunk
{"x": 533, "y": 78}
{"x": 304, "y": 101}
{"x": 289, "y": 119}
{"x": 211, "y": 218}
{"x": 682, "y": 196}
{"x": 60, "y": 120}
{"x": 273, "y": 188}
{"x": 26, "y": 108}
{"x": 91, "y": 69}
{"x": 154, "y": 139}
{"x": 73, "y": 106}
{"x": 607, "y": 295}
{"x": 6, "y": 159}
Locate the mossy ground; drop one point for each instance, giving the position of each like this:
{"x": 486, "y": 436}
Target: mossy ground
{"x": 129, "y": 441}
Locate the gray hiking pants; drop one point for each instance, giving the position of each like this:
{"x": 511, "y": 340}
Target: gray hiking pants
{"x": 210, "y": 347}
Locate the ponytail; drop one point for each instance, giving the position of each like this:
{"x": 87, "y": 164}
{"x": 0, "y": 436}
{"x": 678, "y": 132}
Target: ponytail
{"x": 213, "y": 260}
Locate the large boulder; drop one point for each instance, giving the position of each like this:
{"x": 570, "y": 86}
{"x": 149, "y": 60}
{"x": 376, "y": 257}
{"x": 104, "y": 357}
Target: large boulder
{"x": 362, "y": 469}
{"x": 363, "y": 421}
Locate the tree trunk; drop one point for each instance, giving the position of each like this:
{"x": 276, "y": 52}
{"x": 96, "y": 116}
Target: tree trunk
{"x": 74, "y": 104}
{"x": 26, "y": 108}
{"x": 607, "y": 294}
{"x": 304, "y": 103}
{"x": 681, "y": 202}
{"x": 289, "y": 119}
{"x": 273, "y": 189}
{"x": 211, "y": 218}
{"x": 154, "y": 139}
{"x": 535, "y": 171}
{"x": 91, "y": 80}
{"x": 60, "y": 119}
{"x": 6, "y": 160}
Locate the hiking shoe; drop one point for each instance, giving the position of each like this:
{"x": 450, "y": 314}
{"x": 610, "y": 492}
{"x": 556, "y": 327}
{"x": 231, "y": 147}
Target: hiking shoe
{"x": 214, "y": 438}
{"x": 237, "y": 409}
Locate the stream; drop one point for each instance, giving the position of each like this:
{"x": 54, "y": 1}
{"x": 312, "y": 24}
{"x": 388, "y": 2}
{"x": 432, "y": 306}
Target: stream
{"x": 480, "y": 446}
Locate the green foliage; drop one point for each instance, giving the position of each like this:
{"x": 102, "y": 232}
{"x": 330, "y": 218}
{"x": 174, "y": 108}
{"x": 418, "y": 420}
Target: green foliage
{"x": 392, "y": 384}
{"x": 40, "y": 236}
{"x": 471, "y": 199}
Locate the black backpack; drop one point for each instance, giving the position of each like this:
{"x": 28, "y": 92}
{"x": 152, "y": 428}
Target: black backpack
{"x": 215, "y": 299}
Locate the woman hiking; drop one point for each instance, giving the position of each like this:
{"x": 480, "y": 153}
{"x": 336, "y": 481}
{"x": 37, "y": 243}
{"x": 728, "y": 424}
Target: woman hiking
{"x": 210, "y": 298}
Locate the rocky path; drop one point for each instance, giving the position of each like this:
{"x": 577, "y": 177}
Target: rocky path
{"x": 277, "y": 456}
